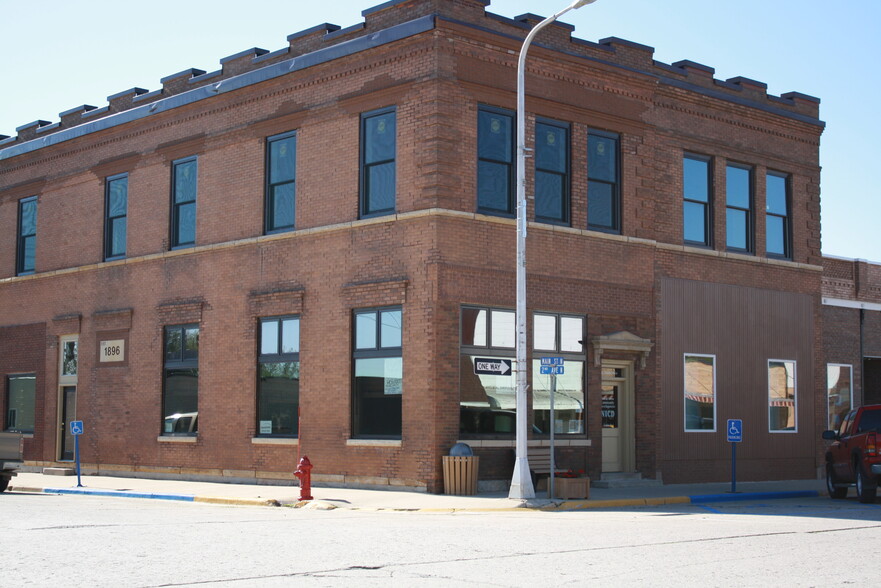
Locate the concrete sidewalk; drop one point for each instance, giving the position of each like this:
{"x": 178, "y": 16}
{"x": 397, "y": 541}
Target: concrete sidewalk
{"x": 372, "y": 499}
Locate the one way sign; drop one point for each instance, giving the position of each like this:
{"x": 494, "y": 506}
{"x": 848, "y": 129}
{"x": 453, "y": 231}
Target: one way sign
{"x": 484, "y": 366}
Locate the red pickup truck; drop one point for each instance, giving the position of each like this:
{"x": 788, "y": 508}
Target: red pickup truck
{"x": 853, "y": 457}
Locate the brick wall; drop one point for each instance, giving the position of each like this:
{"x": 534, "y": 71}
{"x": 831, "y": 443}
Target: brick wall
{"x": 433, "y": 256}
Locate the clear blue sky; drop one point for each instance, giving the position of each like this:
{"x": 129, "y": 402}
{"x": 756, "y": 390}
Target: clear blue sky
{"x": 58, "y": 54}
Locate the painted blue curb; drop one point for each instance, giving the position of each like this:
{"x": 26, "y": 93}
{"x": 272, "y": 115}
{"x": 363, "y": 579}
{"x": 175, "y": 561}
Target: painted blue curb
{"x": 737, "y": 496}
{"x": 120, "y": 494}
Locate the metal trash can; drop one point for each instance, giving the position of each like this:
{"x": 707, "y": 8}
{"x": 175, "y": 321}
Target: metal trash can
{"x": 460, "y": 471}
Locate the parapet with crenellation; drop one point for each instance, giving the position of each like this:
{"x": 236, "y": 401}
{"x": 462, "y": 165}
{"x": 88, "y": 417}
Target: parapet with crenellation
{"x": 631, "y": 56}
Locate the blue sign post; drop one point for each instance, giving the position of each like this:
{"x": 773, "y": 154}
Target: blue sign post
{"x": 552, "y": 366}
{"x": 735, "y": 436}
{"x": 76, "y": 429}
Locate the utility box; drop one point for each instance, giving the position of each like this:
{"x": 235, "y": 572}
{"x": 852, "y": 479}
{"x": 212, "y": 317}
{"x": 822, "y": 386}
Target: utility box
{"x": 460, "y": 474}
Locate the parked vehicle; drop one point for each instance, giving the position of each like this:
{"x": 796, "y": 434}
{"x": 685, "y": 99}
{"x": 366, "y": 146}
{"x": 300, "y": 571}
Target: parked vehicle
{"x": 182, "y": 423}
{"x": 853, "y": 457}
{"x": 11, "y": 449}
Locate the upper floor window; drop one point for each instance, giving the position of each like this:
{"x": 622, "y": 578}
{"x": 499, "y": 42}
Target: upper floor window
{"x": 552, "y": 172}
{"x": 603, "y": 182}
{"x": 183, "y": 202}
{"x": 180, "y": 400}
{"x": 281, "y": 182}
{"x": 115, "y": 215}
{"x": 777, "y": 225}
{"x": 26, "y": 254}
{"x": 379, "y": 373}
{"x": 739, "y": 208}
{"x": 278, "y": 390}
{"x": 696, "y": 200}
{"x": 495, "y": 161}
{"x": 378, "y": 136}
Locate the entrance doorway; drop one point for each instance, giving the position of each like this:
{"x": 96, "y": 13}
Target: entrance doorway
{"x": 68, "y": 358}
{"x": 618, "y": 417}
{"x": 68, "y": 413}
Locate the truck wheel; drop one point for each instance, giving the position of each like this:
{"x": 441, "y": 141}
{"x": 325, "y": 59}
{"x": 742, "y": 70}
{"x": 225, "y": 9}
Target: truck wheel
{"x": 4, "y": 483}
{"x": 865, "y": 490}
{"x": 835, "y": 491}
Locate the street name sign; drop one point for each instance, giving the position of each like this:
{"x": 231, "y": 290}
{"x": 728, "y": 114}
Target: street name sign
{"x": 551, "y": 361}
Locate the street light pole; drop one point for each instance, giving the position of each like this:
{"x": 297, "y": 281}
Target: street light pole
{"x": 521, "y": 483}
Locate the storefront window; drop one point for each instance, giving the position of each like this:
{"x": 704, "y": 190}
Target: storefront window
{"x": 486, "y": 401}
{"x": 559, "y": 337}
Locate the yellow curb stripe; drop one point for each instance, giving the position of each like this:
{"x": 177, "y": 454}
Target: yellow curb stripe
{"x": 236, "y": 501}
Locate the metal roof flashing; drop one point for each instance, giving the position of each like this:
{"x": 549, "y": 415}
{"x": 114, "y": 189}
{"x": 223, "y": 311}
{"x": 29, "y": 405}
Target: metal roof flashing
{"x": 343, "y": 49}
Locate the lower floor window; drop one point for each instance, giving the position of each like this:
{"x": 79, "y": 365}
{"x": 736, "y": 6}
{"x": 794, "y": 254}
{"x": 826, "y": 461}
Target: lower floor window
{"x": 378, "y": 388}
{"x": 180, "y": 389}
{"x": 487, "y": 402}
{"x": 278, "y": 398}
{"x": 20, "y": 403}
{"x": 839, "y": 393}
{"x": 568, "y": 395}
{"x": 181, "y": 406}
{"x": 378, "y": 385}
{"x": 700, "y": 392}
{"x": 278, "y": 382}
{"x": 781, "y": 396}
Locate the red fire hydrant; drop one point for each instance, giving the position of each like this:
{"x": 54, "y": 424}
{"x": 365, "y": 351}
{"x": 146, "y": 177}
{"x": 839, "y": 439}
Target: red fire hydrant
{"x": 304, "y": 473}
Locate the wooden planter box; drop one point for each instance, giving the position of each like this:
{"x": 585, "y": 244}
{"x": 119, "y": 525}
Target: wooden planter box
{"x": 572, "y": 488}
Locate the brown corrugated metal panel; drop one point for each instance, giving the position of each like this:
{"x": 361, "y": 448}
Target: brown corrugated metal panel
{"x": 743, "y": 328}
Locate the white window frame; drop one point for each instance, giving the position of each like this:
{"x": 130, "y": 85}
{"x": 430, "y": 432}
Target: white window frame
{"x": 794, "y": 395}
{"x": 685, "y": 428}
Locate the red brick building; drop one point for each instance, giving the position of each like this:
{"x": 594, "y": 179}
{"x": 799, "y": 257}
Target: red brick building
{"x": 329, "y": 229}
{"x": 851, "y": 336}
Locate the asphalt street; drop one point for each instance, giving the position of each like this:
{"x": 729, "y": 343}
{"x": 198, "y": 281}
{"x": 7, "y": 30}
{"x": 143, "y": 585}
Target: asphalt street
{"x": 76, "y": 540}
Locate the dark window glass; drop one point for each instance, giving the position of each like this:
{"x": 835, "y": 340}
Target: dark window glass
{"x": 181, "y": 380}
{"x": 603, "y": 189}
{"x": 378, "y": 368}
{"x": 738, "y": 186}
{"x": 278, "y": 388}
{"x": 21, "y": 397}
{"x": 184, "y": 203}
{"x": 696, "y": 200}
{"x": 116, "y": 207}
{"x": 551, "y": 172}
{"x": 378, "y": 137}
{"x": 777, "y": 225}
{"x": 27, "y": 236}
{"x": 495, "y": 161}
{"x": 281, "y": 182}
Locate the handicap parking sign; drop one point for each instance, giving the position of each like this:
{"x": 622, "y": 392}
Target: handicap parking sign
{"x": 76, "y": 427}
{"x": 735, "y": 430}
